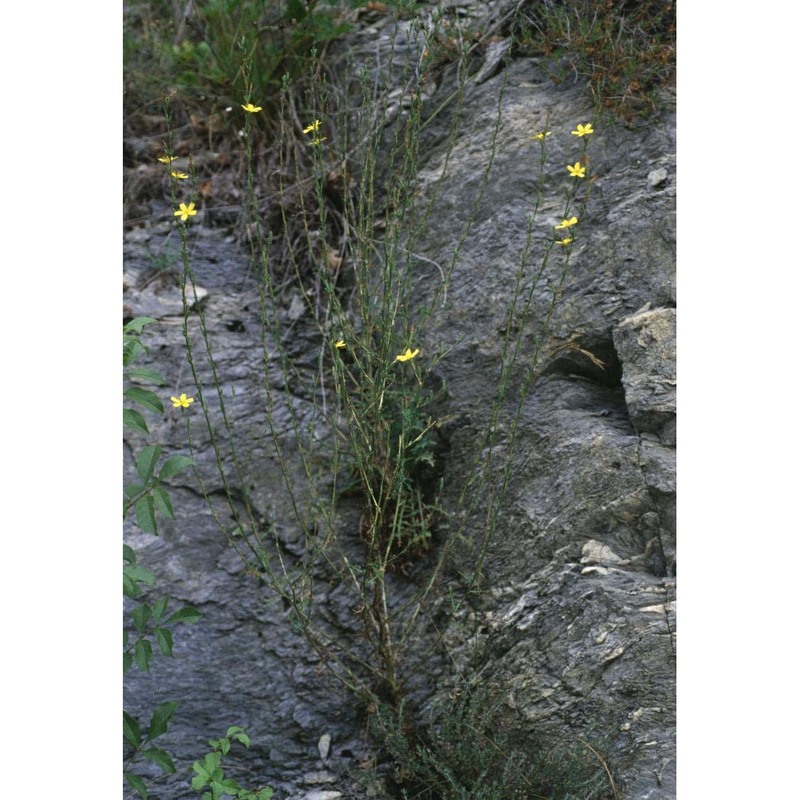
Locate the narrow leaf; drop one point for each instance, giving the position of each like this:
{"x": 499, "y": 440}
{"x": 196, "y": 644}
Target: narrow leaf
{"x": 137, "y": 324}
{"x": 132, "y": 489}
{"x": 130, "y": 588}
{"x": 130, "y": 729}
{"x": 133, "y": 419}
{"x": 140, "y": 616}
{"x": 161, "y": 716}
{"x": 146, "y": 462}
{"x": 136, "y": 783}
{"x": 146, "y": 374}
{"x": 159, "y": 607}
{"x": 163, "y": 501}
{"x": 128, "y": 554}
{"x": 127, "y": 662}
{"x": 143, "y": 654}
{"x": 244, "y": 739}
{"x": 138, "y": 573}
{"x": 146, "y": 399}
{"x": 174, "y": 465}
{"x": 185, "y": 614}
{"x": 160, "y": 757}
{"x": 132, "y": 348}
{"x": 164, "y": 640}
{"x": 146, "y": 515}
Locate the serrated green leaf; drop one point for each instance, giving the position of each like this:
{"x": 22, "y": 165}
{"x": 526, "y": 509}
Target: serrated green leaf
{"x": 164, "y": 640}
{"x": 225, "y": 746}
{"x": 146, "y": 374}
{"x": 229, "y": 786}
{"x": 132, "y": 489}
{"x": 132, "y": 348}
{"x": 146, "y": 514}
{"x": 244, "y": 739}
{"x": 140, "y": 615}
{"x": 128, "y": 554}
{"x": 174, "y": 465}
{"x": 139, "y": 573}
{"x": 133, "y": 419}
{"x": 143, "y": 654}
{"x": 130, "y": 729}
{"x": 185, "y": 614}
{"x": 127, "y": 662}
{"x": 129, "y": 588}
{"x": 207, "y": 770}
{"x": 265, "y": 793}
{"x": 146, "y": 462}
{"x": 137, "y": 784}
{"x": 162, "y": 714}
{"x": 160, "y": 757}
{"x": 159, "y": 608}
{"x": 145, "y": 398}
{"x": 234, "y": 729}
{"x": 137, "y": 324}
{"x": 163, "y": 501}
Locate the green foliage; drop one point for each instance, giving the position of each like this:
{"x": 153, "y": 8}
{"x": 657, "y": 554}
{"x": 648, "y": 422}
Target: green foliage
{"x": 626, "y": 48}
{"x": 373, "y": 424}
{"x": 224, "y": 51}
{"x": 209, "y": 772}
{"x": 468, "y": 751}
{"x": 149, "y": 496}
{"x": 142, "y": 746}
{"x": 150, "y": 622}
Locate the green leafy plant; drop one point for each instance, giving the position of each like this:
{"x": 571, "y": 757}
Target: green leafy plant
{"x": 209, "y": 771}
{"x": 222, "y": 50}
{"x": 467, "y": 750}
{"x": 149, "y": 622}
{"x": 625, "y": 48}
{"x": 342, "y": 232}
{"x": 376, "y": 429}
{"x": 142, "y": 745}
{"x": 149, "y": 496}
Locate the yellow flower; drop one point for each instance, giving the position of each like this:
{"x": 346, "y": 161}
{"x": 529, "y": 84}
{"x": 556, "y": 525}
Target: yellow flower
{"x": 540, "y": 136}
{"x": 317, "y": 140}
{"x": 567, "y": 223}
{"x": 408, "y": 355}
{"x": 314, "y": 126}
{"x": 251, "y": 108}
{"x": 182, "y": 402}
{"x": 340, "y": 345}
{"x": 583, "y": 130}
{"x": 167, "y": 159}
{"x": 577, "y": 171}
{"x": 181, "y": 176}
{"x": 184, "y": 211}
{"x": 564, "y": 241}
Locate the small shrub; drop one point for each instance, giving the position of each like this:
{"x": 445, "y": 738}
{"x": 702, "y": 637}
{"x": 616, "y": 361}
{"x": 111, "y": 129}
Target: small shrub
{"x": 469, "y": 751}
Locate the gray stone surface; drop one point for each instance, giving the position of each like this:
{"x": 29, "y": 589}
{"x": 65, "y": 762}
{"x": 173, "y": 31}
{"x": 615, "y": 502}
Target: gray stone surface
{"x": 575, "y": 628}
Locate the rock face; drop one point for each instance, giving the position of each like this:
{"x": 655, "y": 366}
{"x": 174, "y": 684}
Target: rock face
{"x": 575, "y": 627}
